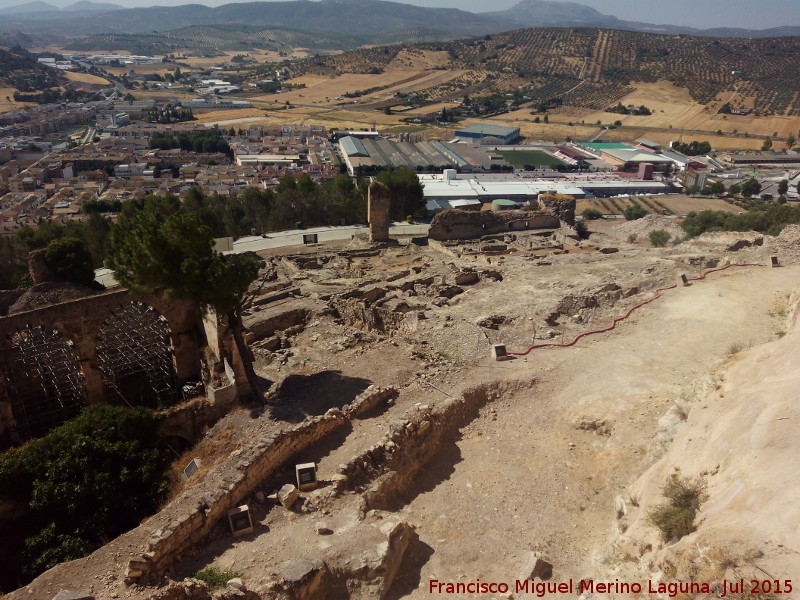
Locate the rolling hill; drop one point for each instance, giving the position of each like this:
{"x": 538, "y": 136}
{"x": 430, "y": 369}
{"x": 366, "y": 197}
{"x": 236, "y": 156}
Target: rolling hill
{"x": 341, "y": 17}
{"x": 336, "y": 17}
{"x": 594, "y": 68}
{"x": 212, "y": 40}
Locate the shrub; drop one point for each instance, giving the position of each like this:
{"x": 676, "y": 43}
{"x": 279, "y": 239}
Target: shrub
{"x": 215, "y": 578}
{"x": 632, "y": 238}
{"x": 659, "y": 238}
{"x": 676, "y": 518}
{"x": 592, "y": 214}
{"x": 633, "y": 212}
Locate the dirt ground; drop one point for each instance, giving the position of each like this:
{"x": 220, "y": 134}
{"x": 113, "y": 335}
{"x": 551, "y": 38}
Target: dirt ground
{"x": 539, "y": 469}
{"x": 563, "y": 433}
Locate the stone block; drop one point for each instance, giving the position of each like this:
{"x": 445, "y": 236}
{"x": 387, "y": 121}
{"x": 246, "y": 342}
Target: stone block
{"x": 72, "y": 595}
{"x": 288, "y": 495}
{"x": 236, "y": 583}
{"x": 322, "y": 528}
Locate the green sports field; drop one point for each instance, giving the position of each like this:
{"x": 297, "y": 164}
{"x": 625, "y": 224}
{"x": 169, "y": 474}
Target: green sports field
{"x": 519, "y": 158}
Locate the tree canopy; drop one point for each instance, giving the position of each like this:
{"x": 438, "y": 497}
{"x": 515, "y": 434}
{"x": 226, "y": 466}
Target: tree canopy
{"x": 69, "y": 259}
{"x": 85, "y": 482}
{"x": 161, "y": 250}
{"x": 406, "y": 190}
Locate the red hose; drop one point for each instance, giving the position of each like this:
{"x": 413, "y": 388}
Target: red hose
{"x": 630, "y": 311}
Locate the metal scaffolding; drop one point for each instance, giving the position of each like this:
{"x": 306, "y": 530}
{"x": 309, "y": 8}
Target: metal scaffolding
{"x": 46, "y": 383}
{"x": 135, "y": 357}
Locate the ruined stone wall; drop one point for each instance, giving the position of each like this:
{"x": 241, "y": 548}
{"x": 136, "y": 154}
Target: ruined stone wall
{"x": 559, "y": 205}
{"x": 388, "y": 468}
{"x": 369, "y": 400}
{"x": 268, "y": 326}
{"x": 454, "y": 224}
{"x": 189, "y": 419}
{"x": 188, "y": 519}
{"x": 79, "y": 321}
{"x": 379, "y": 208}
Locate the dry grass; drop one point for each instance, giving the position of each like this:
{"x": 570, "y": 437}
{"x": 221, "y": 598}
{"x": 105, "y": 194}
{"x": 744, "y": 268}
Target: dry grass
{"x": 523, "y": 119}
{"x": 324, "y": 90}
{"x": 210, "y": 450}
{"x": 160, "y": 68}
{"x": 629, "y": 134}
{"x": 673, "y": 107}
{"x": 7, "y": 99}
{"x": 85, "y": 78}
{"x": 217, "y": 116}
{"x": 430, "y": 108}
{"x": 676, "y": 204}
{"x": 715, "y": 564}
{"x": 415, "y": 58}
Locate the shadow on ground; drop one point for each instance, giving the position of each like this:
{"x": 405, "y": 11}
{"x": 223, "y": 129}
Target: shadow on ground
{"x": 409, "y": 575}
{"x": 301, "y": 396}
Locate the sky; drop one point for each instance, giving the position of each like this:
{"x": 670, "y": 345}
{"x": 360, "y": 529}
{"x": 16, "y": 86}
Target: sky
{"x": 702, "y": 14}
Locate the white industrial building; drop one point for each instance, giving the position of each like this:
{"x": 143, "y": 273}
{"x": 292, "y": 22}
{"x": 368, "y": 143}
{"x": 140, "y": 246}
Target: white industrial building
{"x": 449, "y": 186}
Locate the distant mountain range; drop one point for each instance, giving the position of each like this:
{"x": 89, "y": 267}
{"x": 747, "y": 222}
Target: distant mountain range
{"x": 338, "y": 17}
{"x": 38, "y": 10}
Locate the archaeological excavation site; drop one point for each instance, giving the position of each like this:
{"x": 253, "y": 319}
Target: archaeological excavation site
{"x": 502, "y": 403}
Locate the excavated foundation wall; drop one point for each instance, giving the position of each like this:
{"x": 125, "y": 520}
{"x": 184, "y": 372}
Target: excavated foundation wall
{"x": 455, "y": 224}
{"x": 191, "y": 517}
{"x": 413, "y": 441}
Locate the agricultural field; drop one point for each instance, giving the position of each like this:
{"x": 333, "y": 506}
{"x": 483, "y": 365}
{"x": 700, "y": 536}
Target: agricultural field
{"x": 674, "y": 108}
{"x": 627, "y": 134}
{"x": 429, "y": 108}
{"x": 221, "y": 117}
{"x": 321, "y": 89}
{"x": 594, "y": 69}
{"x": 160, "y": 69}
{"x": 520, "y": 158}
{"x": 556, "y": 132}
{"x": 674, "y": 203}
{"x": 86, "y": 78}
{"x": 260, "y": 55}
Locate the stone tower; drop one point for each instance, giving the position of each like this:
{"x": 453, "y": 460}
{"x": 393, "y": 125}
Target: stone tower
{"x": 379, "y": 207}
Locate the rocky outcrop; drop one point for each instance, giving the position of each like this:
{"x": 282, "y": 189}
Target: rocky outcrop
{"x": 457, "y": 224}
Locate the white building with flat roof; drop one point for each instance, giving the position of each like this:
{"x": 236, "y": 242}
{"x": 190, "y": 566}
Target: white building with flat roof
{"x": 442, "y": 187}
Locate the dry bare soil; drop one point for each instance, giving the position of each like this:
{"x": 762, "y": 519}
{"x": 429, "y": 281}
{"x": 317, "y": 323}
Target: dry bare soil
{"x": 565, "y": 434}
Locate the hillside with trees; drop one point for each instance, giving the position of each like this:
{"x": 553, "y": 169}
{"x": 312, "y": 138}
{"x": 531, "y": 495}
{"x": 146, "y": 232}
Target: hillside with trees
{"x": 594, "y": 68}
{"x": 19, "y": 69}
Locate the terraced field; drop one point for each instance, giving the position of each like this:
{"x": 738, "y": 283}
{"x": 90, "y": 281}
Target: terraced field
{"x": 593, "y": 68}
